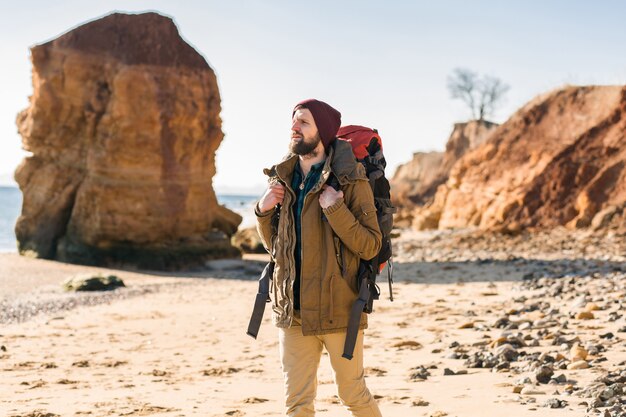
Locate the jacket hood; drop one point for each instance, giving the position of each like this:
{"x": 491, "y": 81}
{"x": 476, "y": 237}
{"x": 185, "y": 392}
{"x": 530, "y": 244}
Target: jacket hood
{"x": 340, "y": 161}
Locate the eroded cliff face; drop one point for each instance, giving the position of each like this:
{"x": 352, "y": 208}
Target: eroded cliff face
{"x": 123, "y": 126}
{"x": 415, "y": 183}
{"x": 559, "y": 160}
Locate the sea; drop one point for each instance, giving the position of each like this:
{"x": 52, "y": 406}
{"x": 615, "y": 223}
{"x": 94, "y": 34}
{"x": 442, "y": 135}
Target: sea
{"x": 11, "y": 206}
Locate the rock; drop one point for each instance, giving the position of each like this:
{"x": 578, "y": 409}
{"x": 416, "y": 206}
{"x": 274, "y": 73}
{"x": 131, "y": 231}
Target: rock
{"x": 467, "y": 325}
{"x": 448, "y": 371}
{"x": 507, "y": 352}
{"x": 420, "y": 403}
{"x": 561, "y": 379}
{"x": 585, "y": 315}
{"x": 415, "y": 183}
{"x": 421, "y": 374}
{"x": 555, "y": 403}
{"x": 123, "y": 125}
{"x": 248, "y": 241}
{"x": 517, "y": 389}
{"x": 607, "y": 393}
{"x": 530, "y": 390}
{"x": 603, "y": 217}
{"x": 543, "y": 374}
{"x": 579, "y": 302}
{"x": 578, "y": 365}
{"x": 577, "y": 353}
{"x": 592, "y": 307}
{"x": 88, "y": 282}
{"x": 526, "y": 174}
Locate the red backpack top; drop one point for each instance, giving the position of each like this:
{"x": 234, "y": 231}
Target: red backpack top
{"x": 360, "y": 138}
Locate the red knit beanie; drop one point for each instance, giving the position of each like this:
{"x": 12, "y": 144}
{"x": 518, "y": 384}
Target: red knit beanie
{"x": 326, "y": 119}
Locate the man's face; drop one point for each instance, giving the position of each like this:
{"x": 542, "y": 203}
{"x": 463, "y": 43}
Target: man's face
{"x": 304, "y": 134}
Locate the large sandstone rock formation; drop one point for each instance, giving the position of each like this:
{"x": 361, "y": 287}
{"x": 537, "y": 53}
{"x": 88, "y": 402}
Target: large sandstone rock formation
{"x": 123, "y": 126}
{"x": 559, "y": 160}
{"x": 415, "y": 183}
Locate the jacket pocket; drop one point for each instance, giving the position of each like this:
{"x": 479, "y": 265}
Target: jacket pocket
{"x": 339, "y": 253}
{"x": 367, "y": 209}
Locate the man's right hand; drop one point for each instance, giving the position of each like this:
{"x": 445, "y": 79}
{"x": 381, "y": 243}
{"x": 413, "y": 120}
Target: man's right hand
{"x": 273, "y": 195}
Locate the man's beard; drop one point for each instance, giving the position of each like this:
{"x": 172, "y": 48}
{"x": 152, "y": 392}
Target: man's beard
{"x": 305, "y": 147}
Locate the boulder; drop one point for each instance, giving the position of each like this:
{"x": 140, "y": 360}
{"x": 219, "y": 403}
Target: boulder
{"x": 123, "y": 125}
{"x": 248, "y": 241}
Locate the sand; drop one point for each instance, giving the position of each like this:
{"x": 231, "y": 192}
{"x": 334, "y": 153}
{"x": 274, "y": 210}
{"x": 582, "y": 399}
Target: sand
{"x": 181, "y": 348}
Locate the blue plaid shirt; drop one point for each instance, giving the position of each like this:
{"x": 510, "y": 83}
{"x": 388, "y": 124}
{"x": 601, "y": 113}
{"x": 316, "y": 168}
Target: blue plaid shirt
{"x": 309, "y": 182}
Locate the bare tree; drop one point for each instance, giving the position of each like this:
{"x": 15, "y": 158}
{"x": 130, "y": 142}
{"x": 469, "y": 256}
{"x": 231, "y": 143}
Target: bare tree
{"x": 481, "y": 94}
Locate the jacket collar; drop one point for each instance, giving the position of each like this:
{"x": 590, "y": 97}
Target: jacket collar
{"x": 340, "y": 161}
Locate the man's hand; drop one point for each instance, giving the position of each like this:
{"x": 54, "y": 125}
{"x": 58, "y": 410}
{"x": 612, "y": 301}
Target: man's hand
{"x": 329, "y": 196}
{"x": 273, "y": 195}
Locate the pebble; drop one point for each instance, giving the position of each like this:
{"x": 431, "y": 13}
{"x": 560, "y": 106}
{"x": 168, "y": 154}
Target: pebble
{"x": 530, "y": 390}
{"x": 543, "y": 374}
{"x": 585, "y": 315}
{"x": 578, "y": 365}
{"x": 577, "y": 353}
{"x": 555, "y": 403}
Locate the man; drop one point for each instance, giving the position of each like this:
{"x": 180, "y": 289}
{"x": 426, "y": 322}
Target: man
{"x": 317, "y": 243}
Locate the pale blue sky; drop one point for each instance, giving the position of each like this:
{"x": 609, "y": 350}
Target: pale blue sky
{"x": 382, "y": 64}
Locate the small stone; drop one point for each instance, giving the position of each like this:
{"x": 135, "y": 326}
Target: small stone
{"x": 517, "y": 389}
{"x": 468, "y": 325}
{"x": 577, "y": 353}
{"x": 560, "y": 379}
{"x": 579, "y": 302}
{"x": 420, "y": 403}
{"x": 555, "y": 403}
{"x": 530, "y": 390}
{"x": 448, "y": 371}
{"x": 543, "y": 374}
{"x": 591, "y": 307}
{"x": 578, "y": 365}
{"x": 585, "y": 315}
{"x": 608, "y": 335}
{"x": 420, "y": 374}
{"x": 607, "y": 393}
{"x": 88, "y": 282}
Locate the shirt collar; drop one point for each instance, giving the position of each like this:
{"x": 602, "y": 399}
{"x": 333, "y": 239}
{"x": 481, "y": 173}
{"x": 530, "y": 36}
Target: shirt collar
{"x": 314, "y": 167}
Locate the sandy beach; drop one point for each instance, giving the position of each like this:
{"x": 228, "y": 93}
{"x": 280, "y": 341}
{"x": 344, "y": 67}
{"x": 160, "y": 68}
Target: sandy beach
{"x": 475, "y": 321}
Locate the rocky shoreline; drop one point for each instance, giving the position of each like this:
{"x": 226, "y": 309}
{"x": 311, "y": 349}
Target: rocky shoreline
{"x": 532, "y": 321}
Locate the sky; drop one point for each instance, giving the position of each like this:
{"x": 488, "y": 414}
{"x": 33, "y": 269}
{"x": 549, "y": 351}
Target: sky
{"x": 381, "y": 64}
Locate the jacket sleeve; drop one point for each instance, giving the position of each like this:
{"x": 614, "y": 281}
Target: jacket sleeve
{"x": 264, "y": 227}
{"x": 355, "y": 221}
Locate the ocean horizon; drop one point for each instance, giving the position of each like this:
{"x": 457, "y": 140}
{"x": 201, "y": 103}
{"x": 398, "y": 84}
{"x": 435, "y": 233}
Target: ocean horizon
{"x": 11, "y": 207}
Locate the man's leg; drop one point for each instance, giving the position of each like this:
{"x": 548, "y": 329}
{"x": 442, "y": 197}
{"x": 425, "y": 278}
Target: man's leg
{"x": 300, "y": 357}
{"x": 350, "y": 376}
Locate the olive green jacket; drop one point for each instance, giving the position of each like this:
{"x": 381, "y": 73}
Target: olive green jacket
{"x": 332, "y": 245}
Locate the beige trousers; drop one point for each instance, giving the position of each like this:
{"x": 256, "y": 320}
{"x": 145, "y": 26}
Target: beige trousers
{"x": 300, "y": 356}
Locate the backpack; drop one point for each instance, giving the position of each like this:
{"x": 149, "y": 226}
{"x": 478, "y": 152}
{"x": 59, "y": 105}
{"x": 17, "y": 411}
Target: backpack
{"x": 368, "y": 149}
